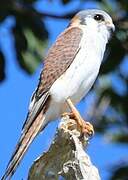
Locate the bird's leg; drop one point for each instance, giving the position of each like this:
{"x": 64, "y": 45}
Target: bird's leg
{"x": 85, "y": 127}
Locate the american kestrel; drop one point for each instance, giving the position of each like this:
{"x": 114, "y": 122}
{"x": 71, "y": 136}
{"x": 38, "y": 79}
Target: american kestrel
{"x": 70, "y": 69}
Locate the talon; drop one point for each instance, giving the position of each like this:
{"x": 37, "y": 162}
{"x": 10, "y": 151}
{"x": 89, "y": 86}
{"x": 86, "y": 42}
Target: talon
{"x": 70, "y": 114}
{"x": 88, "y": 129}
{"x": 65, "y": 114}
{"x": 84, "y": 127}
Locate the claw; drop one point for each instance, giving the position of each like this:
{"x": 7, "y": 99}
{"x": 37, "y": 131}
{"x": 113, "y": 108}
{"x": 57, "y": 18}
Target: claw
{"x": 88, "y": 129}
{"x": 85, "y": 127}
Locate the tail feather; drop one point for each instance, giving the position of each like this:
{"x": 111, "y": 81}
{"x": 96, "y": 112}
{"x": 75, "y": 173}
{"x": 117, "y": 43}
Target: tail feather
{"x": 23, "y": 144}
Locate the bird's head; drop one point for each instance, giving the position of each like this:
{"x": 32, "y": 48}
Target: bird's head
{"x": 95, "y": 20}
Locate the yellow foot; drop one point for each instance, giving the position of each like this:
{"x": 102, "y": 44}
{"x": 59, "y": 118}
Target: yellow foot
{"x": 85, "y": 127}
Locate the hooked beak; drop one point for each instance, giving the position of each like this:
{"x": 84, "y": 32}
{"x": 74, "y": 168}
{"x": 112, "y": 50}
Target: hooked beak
{"x": 110, "y": 26}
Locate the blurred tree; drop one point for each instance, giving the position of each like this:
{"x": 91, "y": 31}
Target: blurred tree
{"x": 109, "y": 110}
{"x": 29, "y": 32}
{"x": 120, "y": 172}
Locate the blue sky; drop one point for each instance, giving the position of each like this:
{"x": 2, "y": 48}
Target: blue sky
{"x": 15, "y": 93}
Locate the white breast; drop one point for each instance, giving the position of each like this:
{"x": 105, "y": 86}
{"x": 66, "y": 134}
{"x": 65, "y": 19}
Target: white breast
{"x": 80, "y": 76}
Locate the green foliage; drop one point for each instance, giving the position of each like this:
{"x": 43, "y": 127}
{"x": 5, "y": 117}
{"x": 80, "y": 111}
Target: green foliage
{"x": 2, "y": 66}
{"x": 120, "y": 173}
{"x": 65, "y": 1}
{"x": 29, "y": 32}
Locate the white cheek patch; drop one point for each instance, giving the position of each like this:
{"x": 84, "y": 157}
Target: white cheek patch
{"x": 91, "y": 23}
{"x": 95, "y": 27}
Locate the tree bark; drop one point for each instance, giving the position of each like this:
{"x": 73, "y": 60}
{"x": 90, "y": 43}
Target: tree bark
{"x": 66, "y": 158}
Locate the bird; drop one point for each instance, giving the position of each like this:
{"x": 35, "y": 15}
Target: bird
{"x": 71, "y": 67}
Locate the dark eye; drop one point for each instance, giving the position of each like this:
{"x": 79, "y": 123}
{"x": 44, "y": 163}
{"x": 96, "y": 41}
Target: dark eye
{"x": 99, "y": 17}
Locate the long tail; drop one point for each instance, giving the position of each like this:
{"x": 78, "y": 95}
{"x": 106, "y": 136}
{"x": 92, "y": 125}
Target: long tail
{"x": 23, "y": 144}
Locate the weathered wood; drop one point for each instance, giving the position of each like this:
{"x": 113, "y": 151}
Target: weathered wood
{"x": 66, "y": 158}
